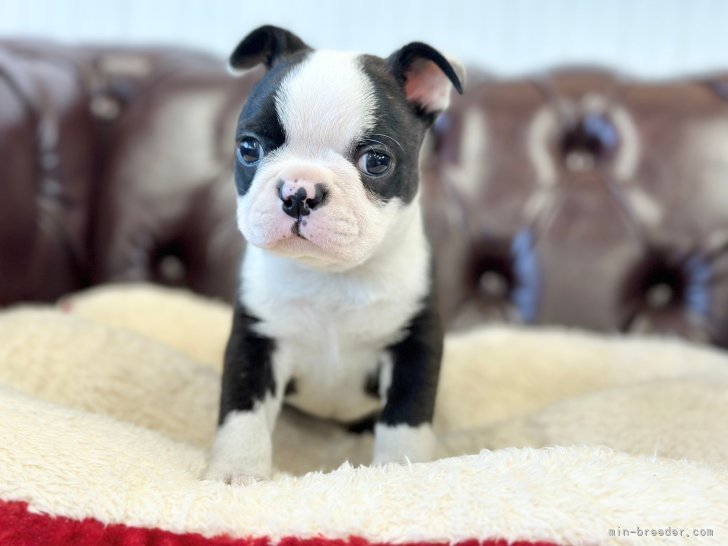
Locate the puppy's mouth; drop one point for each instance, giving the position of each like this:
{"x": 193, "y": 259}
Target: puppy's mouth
{"x": 296, "y": 228}
{"x": 327, "y": 236}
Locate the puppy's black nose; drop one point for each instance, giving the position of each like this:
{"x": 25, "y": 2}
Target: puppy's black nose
{"x": 299, "y": 199}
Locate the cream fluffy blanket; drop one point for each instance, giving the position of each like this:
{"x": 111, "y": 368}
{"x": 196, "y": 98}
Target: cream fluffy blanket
{"x": 107, "y": 408}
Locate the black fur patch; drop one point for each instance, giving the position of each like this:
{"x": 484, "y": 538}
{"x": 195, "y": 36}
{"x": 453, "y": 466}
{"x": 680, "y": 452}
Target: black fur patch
{"x": 259, "y": 118}
{"x": 371, "y": 383}
{"x": 416, "y": 369}
{"x": 362, "y": 426}
{"x": 248, "y": 371}
{"x": 291, "y": 388}
{"x": 397, "y": 129}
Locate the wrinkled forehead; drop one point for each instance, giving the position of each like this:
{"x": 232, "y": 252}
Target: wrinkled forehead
{"x": 326, "y": 102}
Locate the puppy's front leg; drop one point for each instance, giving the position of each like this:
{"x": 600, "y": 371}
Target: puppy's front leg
{"x": 249, "y": 404}
{"x": 404, "y": 428}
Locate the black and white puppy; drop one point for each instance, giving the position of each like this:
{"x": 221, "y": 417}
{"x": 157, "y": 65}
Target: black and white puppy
{"x": 336, "y": 312}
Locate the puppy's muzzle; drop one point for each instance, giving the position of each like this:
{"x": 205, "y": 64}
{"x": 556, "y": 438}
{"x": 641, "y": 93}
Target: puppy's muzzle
{"x": 300, "y": 197}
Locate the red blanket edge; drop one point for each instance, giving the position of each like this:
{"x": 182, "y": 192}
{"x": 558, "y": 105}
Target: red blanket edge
{"x": 20, "y": 527}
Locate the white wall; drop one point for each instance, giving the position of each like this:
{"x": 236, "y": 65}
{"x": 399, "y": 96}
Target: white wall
{"x": 646, "y": 37}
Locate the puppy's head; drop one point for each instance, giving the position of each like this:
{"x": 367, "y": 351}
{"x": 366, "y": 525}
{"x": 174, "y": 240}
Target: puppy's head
{"x": 328, "y": 144}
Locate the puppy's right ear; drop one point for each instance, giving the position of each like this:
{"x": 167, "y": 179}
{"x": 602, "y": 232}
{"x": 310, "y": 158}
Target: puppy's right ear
{"x": 266, "y": 45}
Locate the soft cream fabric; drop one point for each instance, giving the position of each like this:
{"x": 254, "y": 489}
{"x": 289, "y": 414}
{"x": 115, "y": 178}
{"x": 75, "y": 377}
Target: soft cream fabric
{"x": 107, "y": 416}
{"x": 195, "y": 326}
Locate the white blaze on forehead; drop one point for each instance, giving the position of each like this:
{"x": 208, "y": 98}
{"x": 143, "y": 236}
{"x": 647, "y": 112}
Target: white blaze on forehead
{"x": 326, "y": 103}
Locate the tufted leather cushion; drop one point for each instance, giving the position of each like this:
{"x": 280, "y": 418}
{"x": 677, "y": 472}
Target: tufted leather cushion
{"x": 583, "y": 198}
{"x": 578, "y": 197}
{"x": 116, "y": 168}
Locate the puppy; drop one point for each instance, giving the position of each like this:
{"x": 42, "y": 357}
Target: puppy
{"x": 336, "y": 312}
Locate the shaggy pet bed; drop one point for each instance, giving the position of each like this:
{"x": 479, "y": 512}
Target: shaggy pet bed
{"x": 547, "y": 437}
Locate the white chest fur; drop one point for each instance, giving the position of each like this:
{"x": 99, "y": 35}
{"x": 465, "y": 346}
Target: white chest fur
{"x": 331, "y": 328}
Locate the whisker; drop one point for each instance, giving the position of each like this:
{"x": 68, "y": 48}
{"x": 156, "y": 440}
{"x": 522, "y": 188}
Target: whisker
{"x": 386, "y": 136}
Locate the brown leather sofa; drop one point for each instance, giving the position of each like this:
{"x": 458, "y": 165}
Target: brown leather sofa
{"x": 576, "y": 197}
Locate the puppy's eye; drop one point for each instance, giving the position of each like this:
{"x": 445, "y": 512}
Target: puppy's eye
{"x": 374, "y": 163}
{"x": 250, "y": 151}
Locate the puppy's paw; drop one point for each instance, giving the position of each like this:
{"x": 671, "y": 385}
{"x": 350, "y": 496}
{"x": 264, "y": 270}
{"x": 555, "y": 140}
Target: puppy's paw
{"x": 242, "y": 451}
{"x": 234, "y": 476}
{"x": 402, "y": 443}
{"x": 244, "y": 479}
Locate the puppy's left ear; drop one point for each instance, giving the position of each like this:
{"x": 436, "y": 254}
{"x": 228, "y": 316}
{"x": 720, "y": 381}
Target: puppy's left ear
{"x": 426, "y": 75}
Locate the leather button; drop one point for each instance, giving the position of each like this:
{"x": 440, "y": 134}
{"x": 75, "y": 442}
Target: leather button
{"x": 171, "y": 269}
{"x": 494, "y": 285}
{"x": 659, "y": 296}
{"x": 592, "y": 139}
{"x": 663, "y": 286}
{"x": 105, "y": 107}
